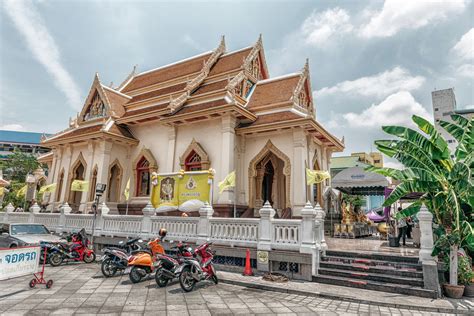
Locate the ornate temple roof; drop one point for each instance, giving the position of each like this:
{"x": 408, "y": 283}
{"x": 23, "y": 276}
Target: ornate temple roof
{"x": 198, "y": 88}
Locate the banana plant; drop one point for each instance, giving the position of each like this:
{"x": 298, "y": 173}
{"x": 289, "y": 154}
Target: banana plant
{"x": 443, "y": 180}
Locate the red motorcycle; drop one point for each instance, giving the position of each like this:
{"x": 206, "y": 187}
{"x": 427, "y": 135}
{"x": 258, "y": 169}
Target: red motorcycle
{"x": 79, "y": 250}
{"x": 195, "y": 270}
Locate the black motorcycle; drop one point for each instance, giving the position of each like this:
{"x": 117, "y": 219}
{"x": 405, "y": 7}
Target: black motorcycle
{"x": 115, "y": 259}
{"x": 167, "y": 265}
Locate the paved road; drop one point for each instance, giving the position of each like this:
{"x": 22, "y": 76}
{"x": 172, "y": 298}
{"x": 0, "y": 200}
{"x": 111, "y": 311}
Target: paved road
{"x": 81, "y": 289}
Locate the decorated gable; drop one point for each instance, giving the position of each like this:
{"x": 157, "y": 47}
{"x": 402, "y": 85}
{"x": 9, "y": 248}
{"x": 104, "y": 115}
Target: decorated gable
{"x": 96, "y": 108}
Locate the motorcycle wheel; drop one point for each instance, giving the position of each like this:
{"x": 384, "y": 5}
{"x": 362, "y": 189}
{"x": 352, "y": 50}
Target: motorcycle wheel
{"x": 56, "y": 259}
{"x": 135, "y": 275}
{"x": 186, "y": 280}
{"x": 89, "y": 258}
{"x": 108, "y": 268}
{"x": 161, "y": 281}
{"x": 215, "y": 279}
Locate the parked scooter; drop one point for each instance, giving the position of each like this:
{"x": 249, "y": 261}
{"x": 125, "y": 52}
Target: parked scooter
{"x": 193, "y": 270}
{"x": 144, "y": 261}
{"x": 115, "y": 259}
{"x": 79, "y": 250}
{"x": 167, "y": 266}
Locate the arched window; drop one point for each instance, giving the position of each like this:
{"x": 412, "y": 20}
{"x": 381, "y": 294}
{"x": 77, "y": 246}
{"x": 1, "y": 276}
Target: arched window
{"x": 113, "y": 193}
{"x": 143, "y": 177}
{"x": 193, "y": 162}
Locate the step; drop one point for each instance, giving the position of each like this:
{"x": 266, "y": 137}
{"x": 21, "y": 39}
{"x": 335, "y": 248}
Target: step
{"x": 374, "y": 263}
{"x": 374, "y": 285}
{"x": 372, "y": 256}
{"x": 372, "y": 277}
{"x": 371, "y": 269}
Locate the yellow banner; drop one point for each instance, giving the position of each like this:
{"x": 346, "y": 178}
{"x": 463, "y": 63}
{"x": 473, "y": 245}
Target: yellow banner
{"x": 316, "y": 176}
{"x": 48, "y": 188}
{"x": 228, "y": 182}
{"x": 194, "y": 187}
{"x": 80, "y": 185}
{"x": 22, "y": 191}
{"x": 126, "y": 192}
{"x": 165, "y": 193}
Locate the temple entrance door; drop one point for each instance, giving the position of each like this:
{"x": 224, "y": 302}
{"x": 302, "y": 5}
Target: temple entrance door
{"x": 267, "y": 183}
{"x": 75, "y": 196}
{"x": 114, "y": 184}
{"x": 270, "y": 182}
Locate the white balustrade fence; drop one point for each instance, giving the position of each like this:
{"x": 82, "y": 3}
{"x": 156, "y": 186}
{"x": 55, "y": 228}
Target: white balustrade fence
{"x": 264, "y": 233}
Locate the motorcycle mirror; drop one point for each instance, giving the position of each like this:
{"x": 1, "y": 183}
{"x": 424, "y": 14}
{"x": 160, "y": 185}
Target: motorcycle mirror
{"x": 163, "y": 232}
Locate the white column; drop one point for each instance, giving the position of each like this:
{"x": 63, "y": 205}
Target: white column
{"x": 87, "y": 175}
{"x": 204, "y": 225}
{"x": 308, "y": 236}
{"x": 320, "y": 215}
{"x": 426, "y": 234}
{"x": 227, "y": 163}
{"x": 298, "y": 183}
{"x": 171, "y": 149}
{"x": 103, "y": 162}
{"x": 267, "y": 213}
{"x": 148, "y": 212}
{"x": 68, "y": 160}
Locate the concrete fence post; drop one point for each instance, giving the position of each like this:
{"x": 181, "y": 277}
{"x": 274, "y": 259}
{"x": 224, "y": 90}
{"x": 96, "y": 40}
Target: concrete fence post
{"x": 267, "y": 213}
{"x": 204, "y": 224}
{"x": 320, "y": 215}
{"x": 430, "y": 266}
{"x": 148, "y": 212}
{"x": 99, "y": 220}
{"x": 9, "y": 209}
{"x": 64, "y": 210}
{"x": 34, "y": 209}
{"x": 310, "y": 238}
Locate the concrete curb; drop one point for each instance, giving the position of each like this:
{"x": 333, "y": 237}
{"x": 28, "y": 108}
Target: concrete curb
{"x": 341, "y": 297}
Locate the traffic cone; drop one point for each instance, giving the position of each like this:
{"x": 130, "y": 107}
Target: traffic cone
{"x": 248, "y": 269}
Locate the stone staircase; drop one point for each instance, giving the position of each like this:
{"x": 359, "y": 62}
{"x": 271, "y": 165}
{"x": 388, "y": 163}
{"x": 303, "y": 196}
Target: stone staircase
{"x": 379, "y": 272}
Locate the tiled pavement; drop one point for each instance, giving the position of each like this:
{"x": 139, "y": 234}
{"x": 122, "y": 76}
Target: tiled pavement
{"x": 81, "y": 289}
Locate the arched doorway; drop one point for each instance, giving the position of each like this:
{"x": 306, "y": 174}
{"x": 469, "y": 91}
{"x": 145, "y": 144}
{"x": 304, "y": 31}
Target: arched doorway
{"x": 75, "y": 196}
{"x": 269, "y": 179}
{"x": 317, "y": 188}
{"x": 193, "y": 162}
{"x": 113, "y": 194}
{"x": 270, "y": 182}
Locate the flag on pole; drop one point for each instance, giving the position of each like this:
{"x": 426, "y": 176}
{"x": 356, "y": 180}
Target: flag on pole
{"x": 22, "y": 191}
{"x": 80, "y": 185}
{"x": 316, "y": 176}
{"x": 228, "y": 182}
{"x": 48, "y": 188}
{"x": 126, "y": 192}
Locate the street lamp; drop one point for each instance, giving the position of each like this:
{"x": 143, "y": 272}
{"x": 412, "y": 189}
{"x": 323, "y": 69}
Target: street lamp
{"x": 99, "y": 190}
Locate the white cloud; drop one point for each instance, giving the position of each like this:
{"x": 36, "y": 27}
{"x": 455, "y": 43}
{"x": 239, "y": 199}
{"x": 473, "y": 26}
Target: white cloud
{"x": 319, "y": 27}
{"x": 188, "y": 40}
{"x": 465, "y": 47}
{"x": 397, "y": 15}
{"x": 12, "y": 127}
{"x": 396, "y": 109}
{"x": 379, "y": 85}
{"x": 466, "y": 70}
{"x": 42, "y": 45}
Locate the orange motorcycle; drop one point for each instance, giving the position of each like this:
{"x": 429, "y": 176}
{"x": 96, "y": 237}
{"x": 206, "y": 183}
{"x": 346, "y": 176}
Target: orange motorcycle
{"x": 144, "y": 261}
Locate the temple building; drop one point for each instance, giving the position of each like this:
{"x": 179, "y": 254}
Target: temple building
{"x": 219, "y": 110}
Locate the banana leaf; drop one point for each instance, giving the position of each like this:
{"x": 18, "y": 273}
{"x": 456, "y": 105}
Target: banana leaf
{"x": 436, "y": 137}
{"x": 409, "y": 211}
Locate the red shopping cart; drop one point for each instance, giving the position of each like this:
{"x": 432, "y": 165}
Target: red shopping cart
{"x": 39, "y": 276}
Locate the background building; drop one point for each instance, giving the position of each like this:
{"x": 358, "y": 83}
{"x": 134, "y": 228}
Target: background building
{"x": 444, "y": 104}
{"x": 27, "y": 142}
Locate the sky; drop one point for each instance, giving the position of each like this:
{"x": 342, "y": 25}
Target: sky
{"x": 372, "y": 63}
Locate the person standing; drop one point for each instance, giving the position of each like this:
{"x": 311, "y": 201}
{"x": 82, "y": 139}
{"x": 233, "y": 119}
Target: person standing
{"x": 409, "y": 227}
{"x": 402, "y": 230}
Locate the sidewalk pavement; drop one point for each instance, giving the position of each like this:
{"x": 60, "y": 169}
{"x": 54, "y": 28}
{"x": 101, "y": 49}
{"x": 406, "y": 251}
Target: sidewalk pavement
{"x": 444, "y": 305}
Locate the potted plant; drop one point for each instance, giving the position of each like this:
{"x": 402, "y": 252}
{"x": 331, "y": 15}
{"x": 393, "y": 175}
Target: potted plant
{"x": 465, "y": 274}
{"x": 442, "y": 180}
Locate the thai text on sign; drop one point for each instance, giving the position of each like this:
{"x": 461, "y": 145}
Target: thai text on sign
{"x": 15, "y": 262}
